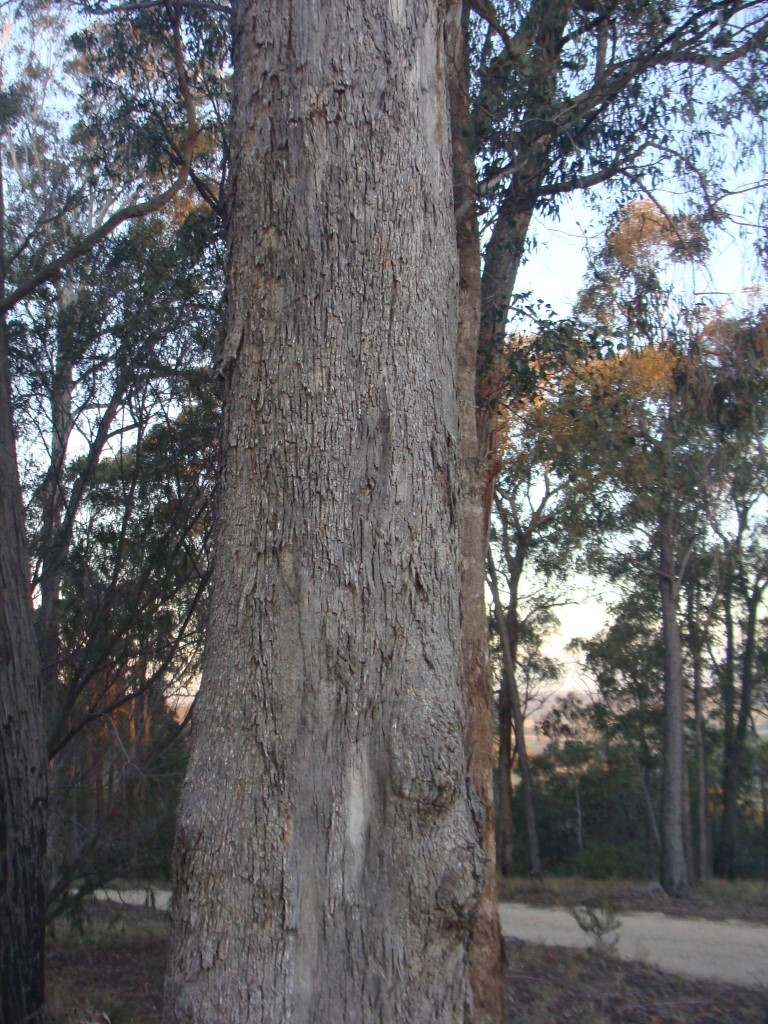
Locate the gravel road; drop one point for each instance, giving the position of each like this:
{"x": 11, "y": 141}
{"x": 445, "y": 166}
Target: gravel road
{"x": 728, "y": 951}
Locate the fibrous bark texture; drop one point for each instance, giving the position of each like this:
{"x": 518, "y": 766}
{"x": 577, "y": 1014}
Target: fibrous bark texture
{"x": 486, "y": 951}
{"x": 328, "y": 863}
{"x": 22, "y": 751}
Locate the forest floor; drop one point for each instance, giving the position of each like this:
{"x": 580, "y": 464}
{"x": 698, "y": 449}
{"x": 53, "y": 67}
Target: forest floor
{"x": 111, "y": 970}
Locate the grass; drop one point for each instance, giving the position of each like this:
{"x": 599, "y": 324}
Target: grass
{"x": 746, "y": 890}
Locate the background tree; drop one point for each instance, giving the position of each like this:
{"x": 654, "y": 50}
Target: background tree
{"x": 649, "y": 431}
{"x": 626, "y": 662}
{"x": 59, "y": 199}
{"x": 550, "y": 99}
{"x": 534, "y": 534}
{"x": 738, "y": 528}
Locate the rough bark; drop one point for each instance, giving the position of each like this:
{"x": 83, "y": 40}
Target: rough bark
{"x": 328, "y": 865}
{"x": 22, "y": 760}
{"x": 22, "y": 749}
{"x": 674, "y": 866}
{"x": 486, "y": 949}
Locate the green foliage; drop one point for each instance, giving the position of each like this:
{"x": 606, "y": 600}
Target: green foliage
{"x": 577, "y": 95}
{"x": 604, "y": 859}
{"x": 115, "y": 406}
{"x": 591, "y": 809}
{"x": 132, "y": 108}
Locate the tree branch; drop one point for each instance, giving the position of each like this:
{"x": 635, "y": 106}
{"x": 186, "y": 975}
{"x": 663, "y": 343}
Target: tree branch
{"x": 133, "y": 211}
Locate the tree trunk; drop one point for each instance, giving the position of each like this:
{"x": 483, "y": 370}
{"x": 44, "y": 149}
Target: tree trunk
{"x": 509, "y": 656}
{"x": 674, "y": 869}
{"x": 762, "y": 775}
{"x": 687, "y": 819}
{"x": 505, "y": 826}
{"x": 733, "y": 754}
{"x": 728, "y": 695}
{"x": 486, "y": 951}
{"x": 650, "y": 810}
{"x": 22, "y": 747}
{"x": 328, "y": 865}
{"x": 579, "y": 815}
{"x": 703, "y": 869}
{"x": 506, "y": 244}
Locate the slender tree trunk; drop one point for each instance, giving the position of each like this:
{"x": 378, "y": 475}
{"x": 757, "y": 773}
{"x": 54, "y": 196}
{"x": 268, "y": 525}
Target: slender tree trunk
{"x": 725, "y": 857}
{"x": 653, "y": 824}
{"x": 728, "y": 695}
{"x": 22, "y": 746}
{"x": 504, "y": 252}
{"x": 505, "y": 826}
{"x": 328, "y": 866}
{"x": 53, "y": 546}
{"x": 486, "y": 950}
{"x": 762, "y": 775}
{"x": 687, "y": 818}
{"x": 703, "y": 857}
{"x": 674, "y": 867}
{"x": 510, "y": 669}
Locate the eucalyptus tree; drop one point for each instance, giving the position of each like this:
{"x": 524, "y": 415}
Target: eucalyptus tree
{"x": 551, "y": 98}
{"x": 566, "y": 96}
{"x": 132, "y": 623}
{"x": 737, "y": 537}
{"x": 62, "y": 193}
{"x": 717, "y": 457}
{"x": 537, "y": 526}
{"x": 662, "y": 457}
{"x": 136, "y": 342}
{"x": 328, "y": 859}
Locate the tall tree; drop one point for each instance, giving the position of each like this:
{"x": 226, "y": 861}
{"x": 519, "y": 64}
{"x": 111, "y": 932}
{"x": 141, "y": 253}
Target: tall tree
{"x": 22, "y": 760}
{"x": 555, "y": 98}
{"x": 534, "y": 528}
{"x": 328, "y": 862}
{"x": 739, "y": 354}
{"x": 36, "y": 251}
{"x": 486, "y": 953}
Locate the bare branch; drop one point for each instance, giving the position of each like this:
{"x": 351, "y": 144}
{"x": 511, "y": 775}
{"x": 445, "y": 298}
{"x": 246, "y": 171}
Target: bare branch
{"x": 486, "y": 10}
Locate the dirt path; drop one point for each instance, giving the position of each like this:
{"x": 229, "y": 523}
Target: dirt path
{"x": 156, "y": 898}
{"x": 728, "y": 951}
